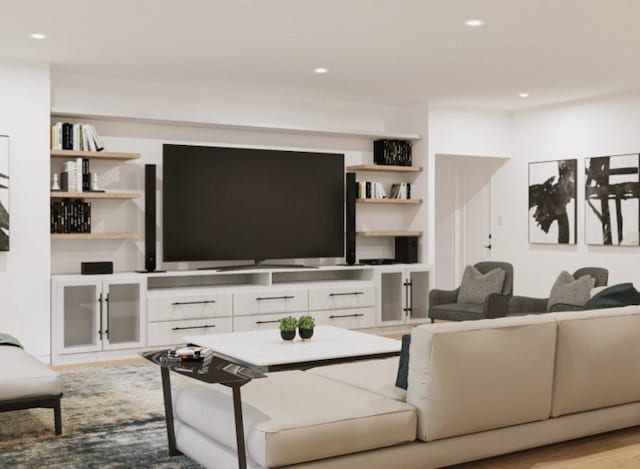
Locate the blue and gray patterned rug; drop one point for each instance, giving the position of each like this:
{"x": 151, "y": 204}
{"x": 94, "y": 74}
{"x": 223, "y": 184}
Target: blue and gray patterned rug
{"x": 113, "y": 417}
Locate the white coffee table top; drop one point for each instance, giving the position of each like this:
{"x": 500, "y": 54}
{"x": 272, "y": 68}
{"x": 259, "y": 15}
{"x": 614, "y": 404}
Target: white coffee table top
{"x": 266, "y": 348}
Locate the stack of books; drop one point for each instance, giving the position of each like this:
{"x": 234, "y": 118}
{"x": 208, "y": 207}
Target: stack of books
{"x": 76, "y": 176}
{"x": 400, "y": 191}
{"x": 370, "y": 190}
{"x": 70, "y": 216}
{"x": 392, "y": 152}
{"x": 77, "y": 137}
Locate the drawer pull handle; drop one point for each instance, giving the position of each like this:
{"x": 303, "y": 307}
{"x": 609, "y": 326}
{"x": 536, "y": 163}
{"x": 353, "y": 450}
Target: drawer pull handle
{"x": 192, "y": 327}
{"x": 334, "y": 316}
{"x": 348, "y": 293}
{"x": 268, "y": 322}
{"x": 205, "y": 302}
{"x": 263, "y": 298}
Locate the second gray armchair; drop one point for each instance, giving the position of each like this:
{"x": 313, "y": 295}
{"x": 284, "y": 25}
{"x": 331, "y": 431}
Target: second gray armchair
{"x": 519, "y": 305}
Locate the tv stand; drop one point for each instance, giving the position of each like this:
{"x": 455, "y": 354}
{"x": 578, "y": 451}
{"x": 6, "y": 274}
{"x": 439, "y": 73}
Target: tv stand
{"x": 260, "y": 266}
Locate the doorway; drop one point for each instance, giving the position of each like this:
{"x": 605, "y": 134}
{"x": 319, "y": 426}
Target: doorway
{"x": 463, "y": 210}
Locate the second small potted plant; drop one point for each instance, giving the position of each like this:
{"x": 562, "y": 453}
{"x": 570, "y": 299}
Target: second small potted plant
{"x": 306, "y": 324}
{"x": 288, "y": 327}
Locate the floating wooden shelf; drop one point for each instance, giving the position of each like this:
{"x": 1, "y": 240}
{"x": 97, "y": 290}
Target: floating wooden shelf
{"x": 96, "y": 155}
{"x": 385, "y": 168}
{"x": 94, "y": 236}
{"x": 390, "y": 201}
{"x": 94, "y": 195}
{"x": 368, "y": 234}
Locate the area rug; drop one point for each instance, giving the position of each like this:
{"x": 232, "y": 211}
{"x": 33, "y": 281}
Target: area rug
{"x": 111, "y": 417}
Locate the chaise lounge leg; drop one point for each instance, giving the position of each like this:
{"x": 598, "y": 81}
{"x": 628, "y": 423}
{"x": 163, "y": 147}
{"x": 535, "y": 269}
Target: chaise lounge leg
{"x": 57, "y": 416}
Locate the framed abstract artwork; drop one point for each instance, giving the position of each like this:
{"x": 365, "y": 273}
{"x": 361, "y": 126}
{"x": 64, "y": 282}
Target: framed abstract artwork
{"x": 4, "y": 193}
{"x": 612, "y": 205}
{"x": 552, "y": 202}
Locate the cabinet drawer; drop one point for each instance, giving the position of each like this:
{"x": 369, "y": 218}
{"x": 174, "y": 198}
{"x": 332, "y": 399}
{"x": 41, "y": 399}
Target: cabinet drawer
{"x": 270, "y": 301}
{"x": 191, "y": 305}
{"x": 347, "y": 318}
{"x": 260, "y": 322}
{"x": 172, "y": 332}
{"x": 338, "y": 297}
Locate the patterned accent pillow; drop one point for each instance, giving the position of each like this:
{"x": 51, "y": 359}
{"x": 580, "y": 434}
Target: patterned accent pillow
{"x": 476, "y": 286}
{"x": 569, "y": 291}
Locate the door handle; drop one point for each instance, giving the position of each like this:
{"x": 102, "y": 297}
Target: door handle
{"x": 106, "y": 300}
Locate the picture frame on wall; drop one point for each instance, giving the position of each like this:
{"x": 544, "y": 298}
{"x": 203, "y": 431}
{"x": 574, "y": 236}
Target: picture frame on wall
{"x": 4, "y": 193}
{"x": 552, "y": 202}
{"x": 612, "y": 200}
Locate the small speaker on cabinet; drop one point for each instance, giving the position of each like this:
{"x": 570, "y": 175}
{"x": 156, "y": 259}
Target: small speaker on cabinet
{"x": 407, "y": 249}
{"x": 352, "y": 192}
{"x": 96, "y": 268}
{"x": 150, "y": 218}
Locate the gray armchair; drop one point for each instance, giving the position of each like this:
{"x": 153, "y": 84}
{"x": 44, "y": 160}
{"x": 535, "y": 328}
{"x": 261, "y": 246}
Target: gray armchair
{"x": 443, "y": 304}
{"x": 520, "y": 305}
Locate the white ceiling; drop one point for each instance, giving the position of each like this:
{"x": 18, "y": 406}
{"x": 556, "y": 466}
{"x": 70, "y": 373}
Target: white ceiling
{"x": 394, "y": 51}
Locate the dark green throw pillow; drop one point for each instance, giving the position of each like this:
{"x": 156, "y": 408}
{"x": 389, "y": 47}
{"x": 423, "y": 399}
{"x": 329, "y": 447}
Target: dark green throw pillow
{"x": 615, "y": 296}
{"x": 403, "y": 366}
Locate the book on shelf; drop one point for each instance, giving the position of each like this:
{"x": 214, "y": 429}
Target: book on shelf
{"x": 370, "y": 190}
{"x": 76, "y": 137}
{"x": 400, "y": 191}
{"x": 70, "y": 216}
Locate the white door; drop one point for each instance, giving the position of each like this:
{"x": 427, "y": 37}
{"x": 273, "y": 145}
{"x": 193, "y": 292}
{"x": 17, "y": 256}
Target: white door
{"x": 463, "y": 214}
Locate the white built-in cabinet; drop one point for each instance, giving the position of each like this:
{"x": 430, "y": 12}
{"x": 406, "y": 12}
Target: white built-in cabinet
{"x": 403, "y": 294}
{"x": 96, "y": 316}
{"x": 98, "y": 313}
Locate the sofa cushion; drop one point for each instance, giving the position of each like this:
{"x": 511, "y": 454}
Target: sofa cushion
{"x": 476, "y": 286}
{"x": 597, "y": 359}
{"x": 480, "y": 375}
{"x": 296, "y": 416}
{"x": 377, "y": 376}
{"x": 567, "y": 290}
{"x": 24, "y": 376}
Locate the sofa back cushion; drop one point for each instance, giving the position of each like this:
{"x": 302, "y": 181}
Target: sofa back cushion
{"x": 478, "y": 375}
{"x": 597, "y": 359}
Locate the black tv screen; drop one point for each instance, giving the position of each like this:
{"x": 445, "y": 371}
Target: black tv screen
{"x": 241, "y": 203}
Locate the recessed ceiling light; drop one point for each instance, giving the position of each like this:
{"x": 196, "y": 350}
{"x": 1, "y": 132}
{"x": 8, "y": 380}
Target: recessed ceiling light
{"x": 524, "y": 95}
{"x": 474, "y": 22}
{"x": 38, "y": 36}
{"x": 320, "y": 70}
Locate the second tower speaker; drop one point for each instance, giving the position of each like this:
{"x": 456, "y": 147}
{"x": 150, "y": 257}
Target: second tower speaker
{"x": 407, "y": 249}
{"x": 352, "y": 192}
{"x": 150, "y": 217}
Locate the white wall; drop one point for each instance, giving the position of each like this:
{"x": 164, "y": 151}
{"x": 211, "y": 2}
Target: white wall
{"x": 470, "y": 135}
{"x": 25, "y": 269}
{"x": 598, "y": 127}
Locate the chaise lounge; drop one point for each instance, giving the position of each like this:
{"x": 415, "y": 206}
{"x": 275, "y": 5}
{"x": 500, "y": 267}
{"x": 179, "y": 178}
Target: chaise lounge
{"x": 466, "y": 399}
{"x": 27, "y": 382}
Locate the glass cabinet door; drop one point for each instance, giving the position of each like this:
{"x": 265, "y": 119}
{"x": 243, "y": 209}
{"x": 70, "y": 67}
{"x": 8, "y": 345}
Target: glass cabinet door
{"x": 122, "y": 314}
{"x": 79, "y": 330}
{"x": 419, "y": 295}
{"x": 392, "y": 297}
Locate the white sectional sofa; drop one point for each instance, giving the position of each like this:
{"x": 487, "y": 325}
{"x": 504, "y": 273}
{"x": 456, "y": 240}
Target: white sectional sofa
{"x": 476, "y": 389}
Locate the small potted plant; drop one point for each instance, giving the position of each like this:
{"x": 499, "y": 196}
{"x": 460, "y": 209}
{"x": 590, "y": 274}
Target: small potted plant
{"x": 305, "y": 326}
{"x": 288, "y": 327}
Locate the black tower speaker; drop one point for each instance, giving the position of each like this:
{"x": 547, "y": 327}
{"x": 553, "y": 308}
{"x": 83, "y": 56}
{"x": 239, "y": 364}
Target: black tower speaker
{"x": 352, "y": 192}
{"x": 150, "y": 218}
{"x": 407, "y": 249}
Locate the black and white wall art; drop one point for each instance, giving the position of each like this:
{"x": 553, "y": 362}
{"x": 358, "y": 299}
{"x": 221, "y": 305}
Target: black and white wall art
{"x": 612, "y": 206}
{"x": 4, "y": 193}
{"x": 552, "y": 202}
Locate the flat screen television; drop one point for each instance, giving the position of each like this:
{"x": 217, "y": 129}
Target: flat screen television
{"x": 223, "y": 204}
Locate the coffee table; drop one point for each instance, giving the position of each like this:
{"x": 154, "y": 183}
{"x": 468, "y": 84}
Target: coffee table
{"x": 268, "y": 351}
{"x": 213, "y": 369}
